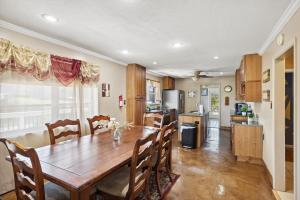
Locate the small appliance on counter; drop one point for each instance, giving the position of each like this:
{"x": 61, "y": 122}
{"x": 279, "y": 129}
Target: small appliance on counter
{"x": 239, "y": 106}
{"x": 189, "y": 135}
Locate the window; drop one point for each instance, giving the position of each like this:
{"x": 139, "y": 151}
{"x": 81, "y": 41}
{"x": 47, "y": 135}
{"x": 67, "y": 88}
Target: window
{"x": 153, "y": 92}
{"x": 25, "y": 108}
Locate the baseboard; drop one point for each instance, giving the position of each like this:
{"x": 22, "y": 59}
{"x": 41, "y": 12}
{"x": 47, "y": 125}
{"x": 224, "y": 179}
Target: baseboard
{"x": 250, "y": 160}
{"x": 279, "y": 195}
{"x": 276, "y": 196}
{"x": 268, "y": 174}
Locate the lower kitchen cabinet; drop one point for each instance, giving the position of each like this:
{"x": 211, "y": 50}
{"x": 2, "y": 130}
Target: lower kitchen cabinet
{"x": 247, "y": 142}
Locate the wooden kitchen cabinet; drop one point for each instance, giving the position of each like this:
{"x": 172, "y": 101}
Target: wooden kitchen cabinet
{"x": 253, "y": 92}
{"x": 248, "y": 79}
{"x": 168, "y": 83}
{"x": 136, "y": 93}
{"x": 238, "y": 88}
{"x": 252, "y": 67}
{"x": 247, "y": 143}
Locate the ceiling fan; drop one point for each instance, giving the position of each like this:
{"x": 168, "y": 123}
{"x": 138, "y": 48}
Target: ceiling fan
{"x": 200, "y": 74}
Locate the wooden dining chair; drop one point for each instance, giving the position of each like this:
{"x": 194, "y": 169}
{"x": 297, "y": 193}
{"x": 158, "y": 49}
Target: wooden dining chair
{"x": 128, "y": 182}
{"x": 97, "y": 118}
{"x": 65, "y": 133}
{"x": 29, "y": 182}
{"x": 163, "y": 156}
{"x": 153, "y": 119}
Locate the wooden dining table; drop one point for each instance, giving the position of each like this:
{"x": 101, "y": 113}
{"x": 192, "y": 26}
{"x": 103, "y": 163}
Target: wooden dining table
{"x": 79, "y": 164}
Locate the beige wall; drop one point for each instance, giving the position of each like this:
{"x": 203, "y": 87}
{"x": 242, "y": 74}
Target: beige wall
{"x": 291, "y": 32}
{"x": 112, "y": 73}
{"x": 190, "y": 103}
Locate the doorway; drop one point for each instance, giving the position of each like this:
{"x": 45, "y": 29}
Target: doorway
{"x": 284, "y": 127}
{"x": 210, "y": 99}
{"x": 289, "y": 120}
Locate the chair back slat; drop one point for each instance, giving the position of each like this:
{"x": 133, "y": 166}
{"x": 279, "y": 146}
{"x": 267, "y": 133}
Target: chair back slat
{"x": 22, "y": 165}
{"x": 24, "y": 195}
{"x": 165, "y": 143}
{"x": 141, "y": 165}
{"x": 153, "y": 119}
{"x": 97, "y": 118}
{"x": 26, "y": 181}
{"x": 63, "y": 123}
{"x": 27, "y": 171}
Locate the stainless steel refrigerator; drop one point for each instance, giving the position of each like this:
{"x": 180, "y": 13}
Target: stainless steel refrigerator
{"x": 173, "y": 99}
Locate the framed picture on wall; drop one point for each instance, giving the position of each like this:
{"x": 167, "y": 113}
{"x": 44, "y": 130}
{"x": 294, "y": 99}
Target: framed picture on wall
{"x": 204, "y": 91}
{"x": 105, "y": 90}
{"x": 266, "y": 77}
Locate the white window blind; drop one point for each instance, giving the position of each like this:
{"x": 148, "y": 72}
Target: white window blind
{"x": 25, "y": 107}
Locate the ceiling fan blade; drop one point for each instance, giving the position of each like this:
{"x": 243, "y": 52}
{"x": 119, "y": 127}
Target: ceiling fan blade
{"x": 205, "y": 76}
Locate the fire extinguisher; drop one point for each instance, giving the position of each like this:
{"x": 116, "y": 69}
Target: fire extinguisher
{"x": 121, "y": 103}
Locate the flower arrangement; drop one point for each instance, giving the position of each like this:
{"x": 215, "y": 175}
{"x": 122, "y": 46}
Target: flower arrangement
{"x": 115, "y": 126}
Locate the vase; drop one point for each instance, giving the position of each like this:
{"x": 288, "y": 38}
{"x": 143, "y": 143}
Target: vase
{"x": 244, "y": 113}
{"x": 250, "y": 120}
{"x": 116, "y": 134}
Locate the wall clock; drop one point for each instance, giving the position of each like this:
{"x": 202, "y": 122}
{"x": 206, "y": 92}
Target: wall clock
{"x": 227, "y": 88}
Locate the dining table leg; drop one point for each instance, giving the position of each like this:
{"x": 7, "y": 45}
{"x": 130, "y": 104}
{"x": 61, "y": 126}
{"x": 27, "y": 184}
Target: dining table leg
{"x": 85, "y": 194}
{"x": 74, "y": 195}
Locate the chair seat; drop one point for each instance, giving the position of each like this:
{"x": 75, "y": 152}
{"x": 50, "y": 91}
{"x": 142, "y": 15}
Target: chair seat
{"x": 55, "y": 192}
{"x": 117, "y": 183}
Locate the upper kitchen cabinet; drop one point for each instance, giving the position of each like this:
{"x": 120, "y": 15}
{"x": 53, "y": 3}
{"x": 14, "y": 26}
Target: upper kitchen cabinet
{"x": 136, "y": 93}
{"x": 252, "y": 67}
{"x": 238, "y": 92}
{"x": 168, "y": 83}
{"x": 248, "y": 79}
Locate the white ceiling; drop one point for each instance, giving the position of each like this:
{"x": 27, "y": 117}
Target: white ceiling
{"x": 148, "y": 28}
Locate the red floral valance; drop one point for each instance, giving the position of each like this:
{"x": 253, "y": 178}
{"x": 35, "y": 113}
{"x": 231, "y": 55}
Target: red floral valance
{"x": 64, "y": 69}
{"x": 40, "y": 65}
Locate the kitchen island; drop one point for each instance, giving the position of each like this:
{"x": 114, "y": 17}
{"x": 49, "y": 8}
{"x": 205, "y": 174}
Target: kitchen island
{"x": 200, "y": 120}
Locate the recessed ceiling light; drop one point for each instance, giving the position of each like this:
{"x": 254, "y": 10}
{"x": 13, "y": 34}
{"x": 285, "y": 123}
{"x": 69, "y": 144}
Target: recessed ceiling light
{"x": 221, "y": 73}
{"x": 154, "y": 63}
{"x": 177, "y": 45}
{"x": 216, "y": 57}
{"x": 49, "y": 18}
{"x": 125, "y": 52}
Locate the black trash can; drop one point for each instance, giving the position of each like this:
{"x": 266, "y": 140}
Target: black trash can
{"x": 189, "y": 135}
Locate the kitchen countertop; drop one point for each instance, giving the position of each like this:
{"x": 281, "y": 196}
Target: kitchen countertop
{"x": 154, "y": 111}
{"x": 245, "y": 123}
{"x": 192, "y": 114}
{"x": 235, "y": 115}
